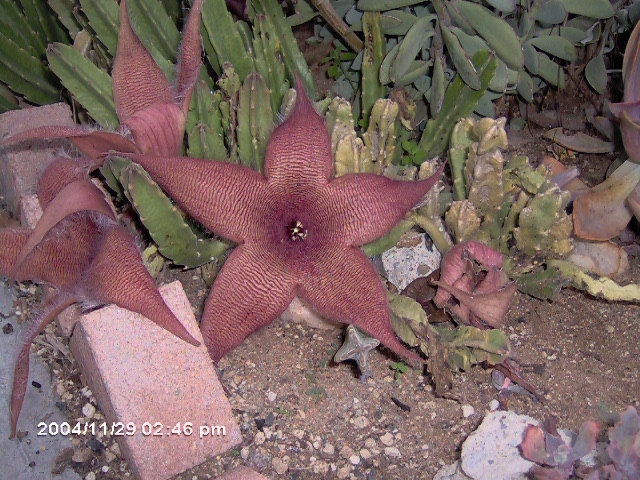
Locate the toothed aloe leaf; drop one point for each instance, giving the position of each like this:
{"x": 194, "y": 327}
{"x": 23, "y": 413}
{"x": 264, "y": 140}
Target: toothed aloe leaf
{"x": 90, "y": 85}
{"x": 204, "y": 124}
{"x": 24, "y": 73}
{"x": 42, "y": 22}
{"x": 64, "y": 12}
{"x": 268, "y": 53}
{"x": 291, "y": 54}
{"x": 373, "y": 54}
{"x": 157, "y": 32}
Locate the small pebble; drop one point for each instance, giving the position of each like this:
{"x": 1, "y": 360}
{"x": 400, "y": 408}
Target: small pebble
{"x": 7, "y": 328}
{"x": 360, "y": 422}
{"x": 370, "y": 443}
{"x": 271, "y": 396}
{"x": 608, "y": 328}
{"x": 90, "y": 476}
{"x": 88, "y": 410}
{"x": 259, "y": 439}
{"x": 392, "y": 452}
{"x": 354, "y": 459}
{"x": 467, "y": 411}
{"x": 328, "y": 449}
{"x": 280, "y": 465}
{"x": 494, "y": 405}
{"x": 387, "y": 439}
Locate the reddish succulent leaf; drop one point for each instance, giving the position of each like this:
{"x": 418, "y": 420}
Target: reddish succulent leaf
{"x": 533, "y": 445}
{"x": 93, "y": 143}
{"x": 489, "y": 307}
{"x": 298, "y": 229}
{"x": 601, "y": 214}
{"x": 631, "y": 66}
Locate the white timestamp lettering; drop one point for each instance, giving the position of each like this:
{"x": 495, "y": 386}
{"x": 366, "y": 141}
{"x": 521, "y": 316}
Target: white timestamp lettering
{"x": 119, "y": 429}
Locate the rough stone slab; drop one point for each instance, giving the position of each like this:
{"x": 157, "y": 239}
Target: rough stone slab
{"x": 242, "y": 473}
{"x": 30, "y": 210}
{"x": 492, "y": 450}
{"x": 21, "y": 164}
{"x": 141, "y": 374}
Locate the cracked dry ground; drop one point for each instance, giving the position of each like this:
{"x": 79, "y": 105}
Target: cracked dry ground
{"x": 304, "y": 417}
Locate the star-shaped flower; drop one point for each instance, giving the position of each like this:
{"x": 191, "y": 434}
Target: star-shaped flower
{"x": 78, "y": 248}
{"x": 299, "y": 231}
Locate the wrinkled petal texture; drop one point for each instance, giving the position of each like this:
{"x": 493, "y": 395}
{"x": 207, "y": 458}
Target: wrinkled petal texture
{"x": 117, "y": 275}
{"x": 138, "y": 82}
{"x": 158, "y": 129}
{"x": 251, "y": 290}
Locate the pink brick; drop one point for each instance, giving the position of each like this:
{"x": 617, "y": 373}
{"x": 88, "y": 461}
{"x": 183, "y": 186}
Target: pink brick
{"x": 140, "y": 373}
{"x": 21, "y": 164}
{"x": 242, "y": 473}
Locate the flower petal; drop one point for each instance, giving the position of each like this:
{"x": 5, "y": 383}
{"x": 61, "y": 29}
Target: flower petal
{"x": 299, "y": 150}
{"x": 346, "y": 288}
{"x": 138, "y": 82}
{"x": 44, "y": 316}
{"x": 12, "y": 241}
{"x": 117, "y": 275}
{"x": 363, "y": 206}
{"x": 81, "y": 195}
{"x": 224, "y": 197}
{"x": 251, "y": 290}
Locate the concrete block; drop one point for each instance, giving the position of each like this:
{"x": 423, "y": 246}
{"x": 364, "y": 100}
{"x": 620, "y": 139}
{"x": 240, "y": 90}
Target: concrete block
{"x": 242, "y": 473}
{"x": 21, "y": 164}
{"x": 154, "y": 384}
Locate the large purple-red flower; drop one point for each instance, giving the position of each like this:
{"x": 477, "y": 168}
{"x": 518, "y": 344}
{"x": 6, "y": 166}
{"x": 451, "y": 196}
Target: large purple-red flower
{"x": 299, "y": 231}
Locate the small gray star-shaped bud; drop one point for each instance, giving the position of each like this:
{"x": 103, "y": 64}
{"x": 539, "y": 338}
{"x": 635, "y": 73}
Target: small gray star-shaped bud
{"x": 357, "y": 346}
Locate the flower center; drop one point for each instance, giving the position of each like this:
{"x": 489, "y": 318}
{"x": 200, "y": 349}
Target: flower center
{"x": 297, "y": 231}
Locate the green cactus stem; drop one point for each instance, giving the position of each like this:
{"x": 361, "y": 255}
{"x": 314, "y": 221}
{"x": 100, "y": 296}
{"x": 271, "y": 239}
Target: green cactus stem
{"x": 255, "y": 121}
{"x": 204, "y": 124}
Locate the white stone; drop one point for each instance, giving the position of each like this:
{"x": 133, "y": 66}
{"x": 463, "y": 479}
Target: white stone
{"x": 494, "y": 405}
{"x": 392, "y": 452}
{"x": 387, "y": 439}
{"x": 491, "y": 452}
{"x": 467, "y": 411}
{"x": 88, "y": 410}
{"x": 404, "y": 264}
